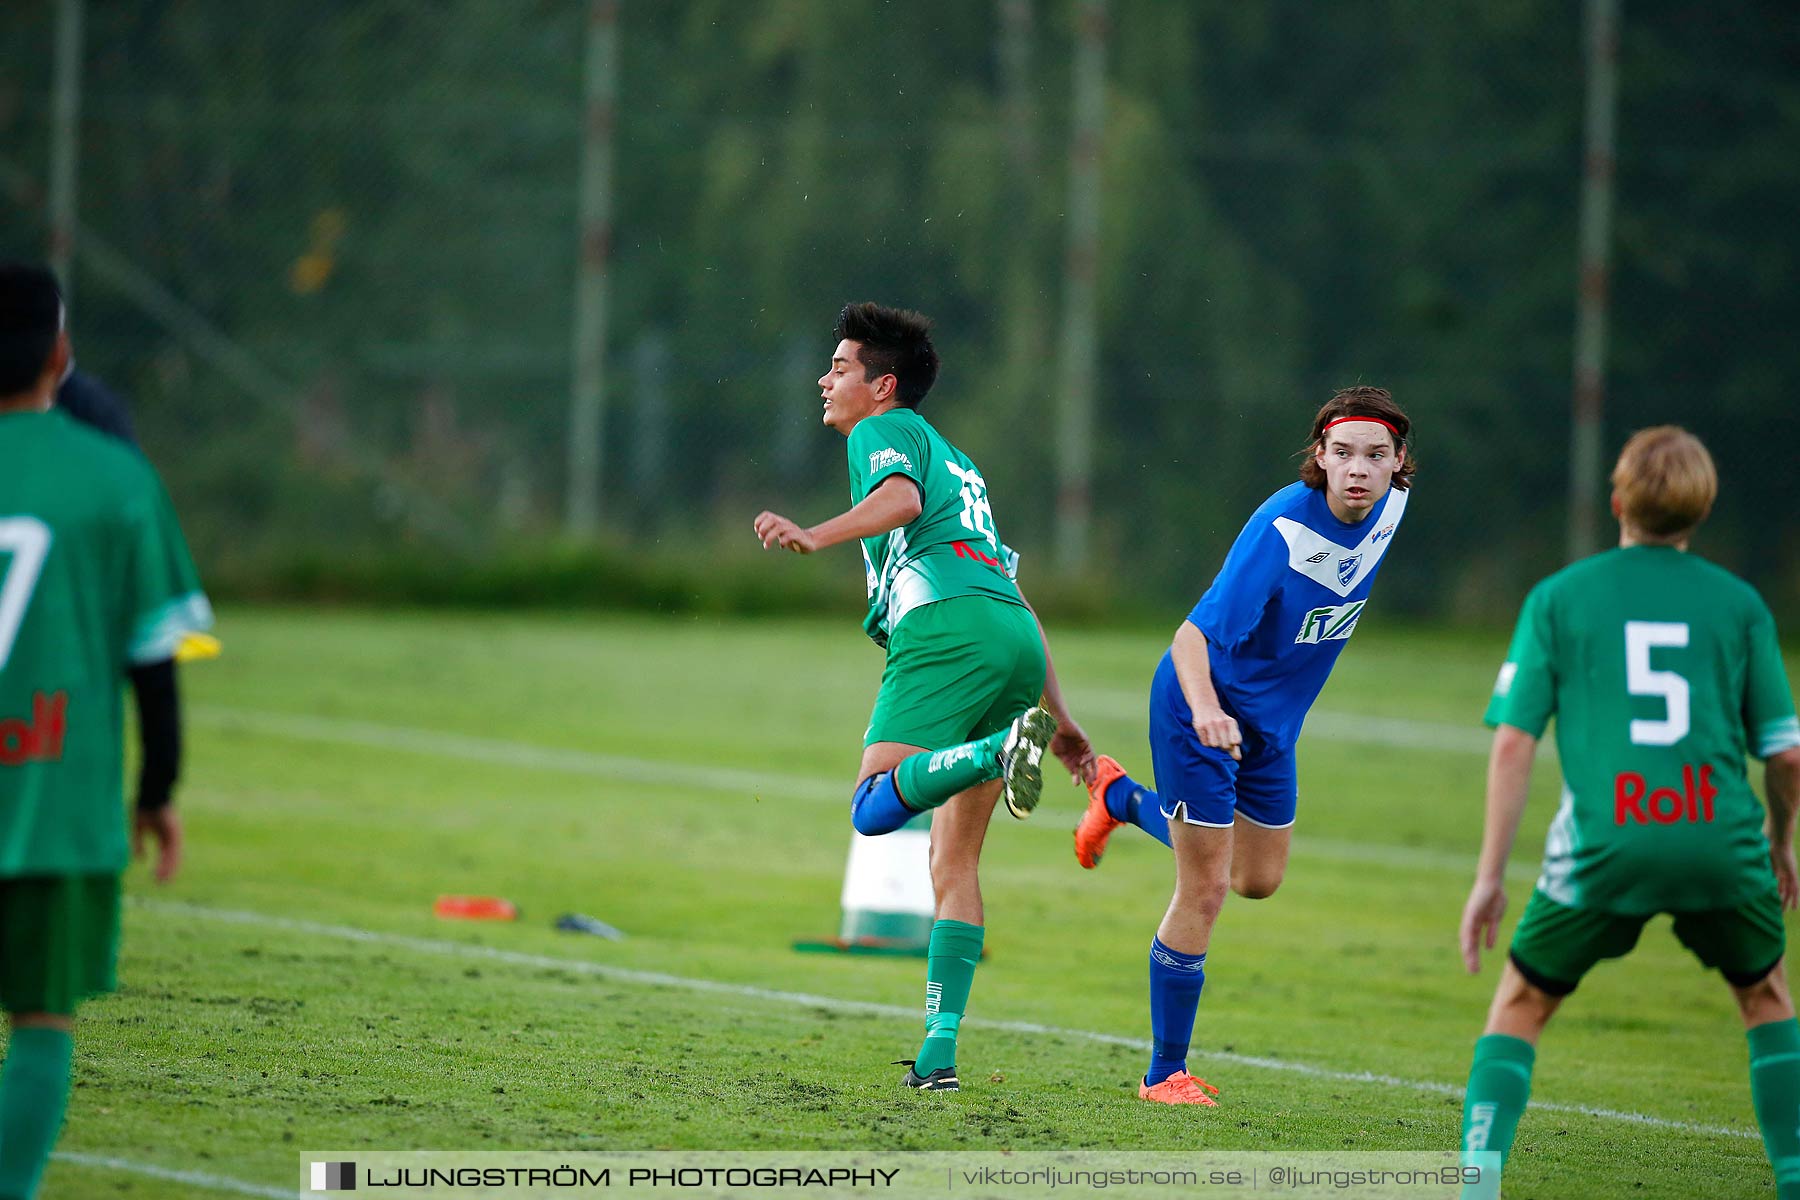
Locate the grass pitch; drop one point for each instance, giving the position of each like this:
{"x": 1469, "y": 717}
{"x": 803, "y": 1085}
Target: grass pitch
{"x": 687, "y": 781}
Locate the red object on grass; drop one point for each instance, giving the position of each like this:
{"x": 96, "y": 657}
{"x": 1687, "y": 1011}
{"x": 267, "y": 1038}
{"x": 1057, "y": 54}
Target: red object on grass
{"x": 475, "y": 908}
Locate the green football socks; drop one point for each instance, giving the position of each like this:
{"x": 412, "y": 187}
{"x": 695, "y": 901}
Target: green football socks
{"x": 1499, "y": 1086}
{"x": 949, "y": 972}
{"x": 929, "y": 778}
{"x": 1775, "y": 1093}
{"x": 34, "y": 1091}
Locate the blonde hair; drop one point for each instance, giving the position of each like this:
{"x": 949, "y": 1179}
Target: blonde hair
{"x": 1665, "y": 481}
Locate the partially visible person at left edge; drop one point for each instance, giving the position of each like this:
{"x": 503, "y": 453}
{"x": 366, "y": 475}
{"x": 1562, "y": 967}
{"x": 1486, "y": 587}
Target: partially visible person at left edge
{"x": 95, "y": 405}
{"x": 96, "y": 585}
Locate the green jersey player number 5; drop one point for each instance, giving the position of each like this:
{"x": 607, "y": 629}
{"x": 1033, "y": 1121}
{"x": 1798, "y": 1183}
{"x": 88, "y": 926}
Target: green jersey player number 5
{"x": 1664, "y": 675}
{"x": 1642, "y": 680}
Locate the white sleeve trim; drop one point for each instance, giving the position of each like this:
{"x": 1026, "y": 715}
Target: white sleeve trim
{"x": 158, "y": 634}
{"x": 1777, "y": 736}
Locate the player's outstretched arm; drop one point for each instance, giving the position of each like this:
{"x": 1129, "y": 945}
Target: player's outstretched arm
{"x": 1193, "y": 668}
{"x": 1781, "y": 780}
{"x": 1508, "y": 784}
{"x": 894, "y": 502}
{"x": 1070, "y": 743}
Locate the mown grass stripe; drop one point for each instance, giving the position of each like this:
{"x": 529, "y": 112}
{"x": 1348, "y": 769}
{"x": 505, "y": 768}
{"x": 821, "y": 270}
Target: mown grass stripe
{"x": 499, "y": 752}
{"x": 629, "y": 975}
{"x": 198, "y": 1179}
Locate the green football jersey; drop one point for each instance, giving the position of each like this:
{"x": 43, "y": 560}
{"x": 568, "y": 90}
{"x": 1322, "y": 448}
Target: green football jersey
{"x": 94, "y": 578}
{"x": 1662, "y": 671}
{"x": 951, "y": 548}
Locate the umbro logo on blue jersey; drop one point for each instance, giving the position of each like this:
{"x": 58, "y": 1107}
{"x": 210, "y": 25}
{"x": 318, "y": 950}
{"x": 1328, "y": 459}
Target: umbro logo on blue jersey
{"x": 1320, "y": 557}
{"x": 1347, "y": 568}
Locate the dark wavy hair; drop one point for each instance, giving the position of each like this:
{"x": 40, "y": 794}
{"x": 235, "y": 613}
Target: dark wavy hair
{"x": 1359, "y": 401}
{"x": 895, "y": 341}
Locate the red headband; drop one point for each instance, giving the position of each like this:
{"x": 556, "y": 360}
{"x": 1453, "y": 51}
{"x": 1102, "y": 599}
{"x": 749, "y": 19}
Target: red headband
{"x": 1387, "y": 425}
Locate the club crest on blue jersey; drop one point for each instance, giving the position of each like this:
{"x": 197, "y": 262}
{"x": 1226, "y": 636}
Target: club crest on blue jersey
{"x": 1333, "y": 624}
{"x": 1347, "y": 568}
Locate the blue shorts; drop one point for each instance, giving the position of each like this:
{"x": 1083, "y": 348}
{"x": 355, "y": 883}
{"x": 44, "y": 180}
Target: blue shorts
{"x": 1204, "y": 786}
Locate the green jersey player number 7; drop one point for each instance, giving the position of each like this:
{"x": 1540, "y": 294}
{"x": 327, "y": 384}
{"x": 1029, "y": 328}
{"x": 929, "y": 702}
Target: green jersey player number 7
{"x": 96, "y": 588}
{"x": 969, "y": 701}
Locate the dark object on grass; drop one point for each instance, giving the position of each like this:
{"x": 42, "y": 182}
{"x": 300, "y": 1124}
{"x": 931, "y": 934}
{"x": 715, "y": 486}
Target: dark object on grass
{"x": 581, "y": 923}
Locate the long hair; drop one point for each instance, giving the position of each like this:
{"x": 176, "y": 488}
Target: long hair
{"x": 1359, "y": 401}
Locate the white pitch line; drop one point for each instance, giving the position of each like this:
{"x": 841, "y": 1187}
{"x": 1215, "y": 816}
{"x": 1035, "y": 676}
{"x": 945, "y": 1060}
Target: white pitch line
{"x": 1399, "y": 733}
{"x": 199, "y": 1179}
{"x": 498, "y": 752}
{"x": 870, "y": 1008}
{"x": 501, "y": 753}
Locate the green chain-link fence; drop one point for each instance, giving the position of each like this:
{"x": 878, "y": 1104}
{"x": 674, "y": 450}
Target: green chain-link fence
{"x": 331, "y": 251}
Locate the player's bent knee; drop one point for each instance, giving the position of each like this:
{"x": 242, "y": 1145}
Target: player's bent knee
{"x": 1765, "y": 999}
{"x": 1255, "y": 887}
{"x": 1521, "y": 1008}
{"x": 1202, "y": 898}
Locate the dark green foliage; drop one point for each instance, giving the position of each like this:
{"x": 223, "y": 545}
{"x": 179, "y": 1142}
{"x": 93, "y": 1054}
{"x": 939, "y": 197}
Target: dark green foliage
{"x": 379, "y": 200}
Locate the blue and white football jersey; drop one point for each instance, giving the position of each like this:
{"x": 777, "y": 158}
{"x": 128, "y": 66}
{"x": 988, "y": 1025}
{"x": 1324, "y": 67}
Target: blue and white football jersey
{"x": 1289, "y": 595}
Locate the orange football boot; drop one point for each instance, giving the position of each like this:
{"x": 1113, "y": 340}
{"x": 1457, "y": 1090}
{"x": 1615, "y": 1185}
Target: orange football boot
{"x": 1096, "y": 823}
{"x": 1180, "y": 1088}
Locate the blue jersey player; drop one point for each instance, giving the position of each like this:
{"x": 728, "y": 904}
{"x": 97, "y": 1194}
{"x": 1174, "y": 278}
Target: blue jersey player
{"x": 1228, "y": 700}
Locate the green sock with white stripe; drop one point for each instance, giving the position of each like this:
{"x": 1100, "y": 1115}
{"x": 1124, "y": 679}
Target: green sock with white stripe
{"x": 1499, "y": 1086}
{"x": 929, "y": 778}
{"x": 1775, "y": 1091}
{"x": 954, "y": 952}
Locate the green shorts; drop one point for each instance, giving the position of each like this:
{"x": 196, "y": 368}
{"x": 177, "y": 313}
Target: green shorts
{"x": 59, "y": 941}
{"x": 1555, "y": 945}
{"x": 957, "y": 670}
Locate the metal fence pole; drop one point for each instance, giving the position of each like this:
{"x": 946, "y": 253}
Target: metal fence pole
{"x": 1078, "y": 368}
{"x": 587, "y": 399}
{"x": 1586, "y": 432}
{"x": 65, "y": 143}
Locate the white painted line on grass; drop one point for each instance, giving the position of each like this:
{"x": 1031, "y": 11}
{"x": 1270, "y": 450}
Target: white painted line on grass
{"x": 501, "y": 753}
{"x": 199, "y": 1179}
{"x": 1399, "y": 733}
{"x": 866, "y": 1007}
{"x": 498, "y": 752}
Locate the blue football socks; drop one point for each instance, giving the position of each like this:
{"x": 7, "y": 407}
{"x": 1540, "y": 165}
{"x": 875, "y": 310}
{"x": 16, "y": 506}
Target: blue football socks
{"x": 1130, "y": 801}
{"x": 1175, "y": 983}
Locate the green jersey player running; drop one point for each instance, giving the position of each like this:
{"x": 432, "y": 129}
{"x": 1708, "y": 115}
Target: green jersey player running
{"x": 957, "y": 723}
{"x": 1662, "y": 671}
{"x": 96, "y": 586}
